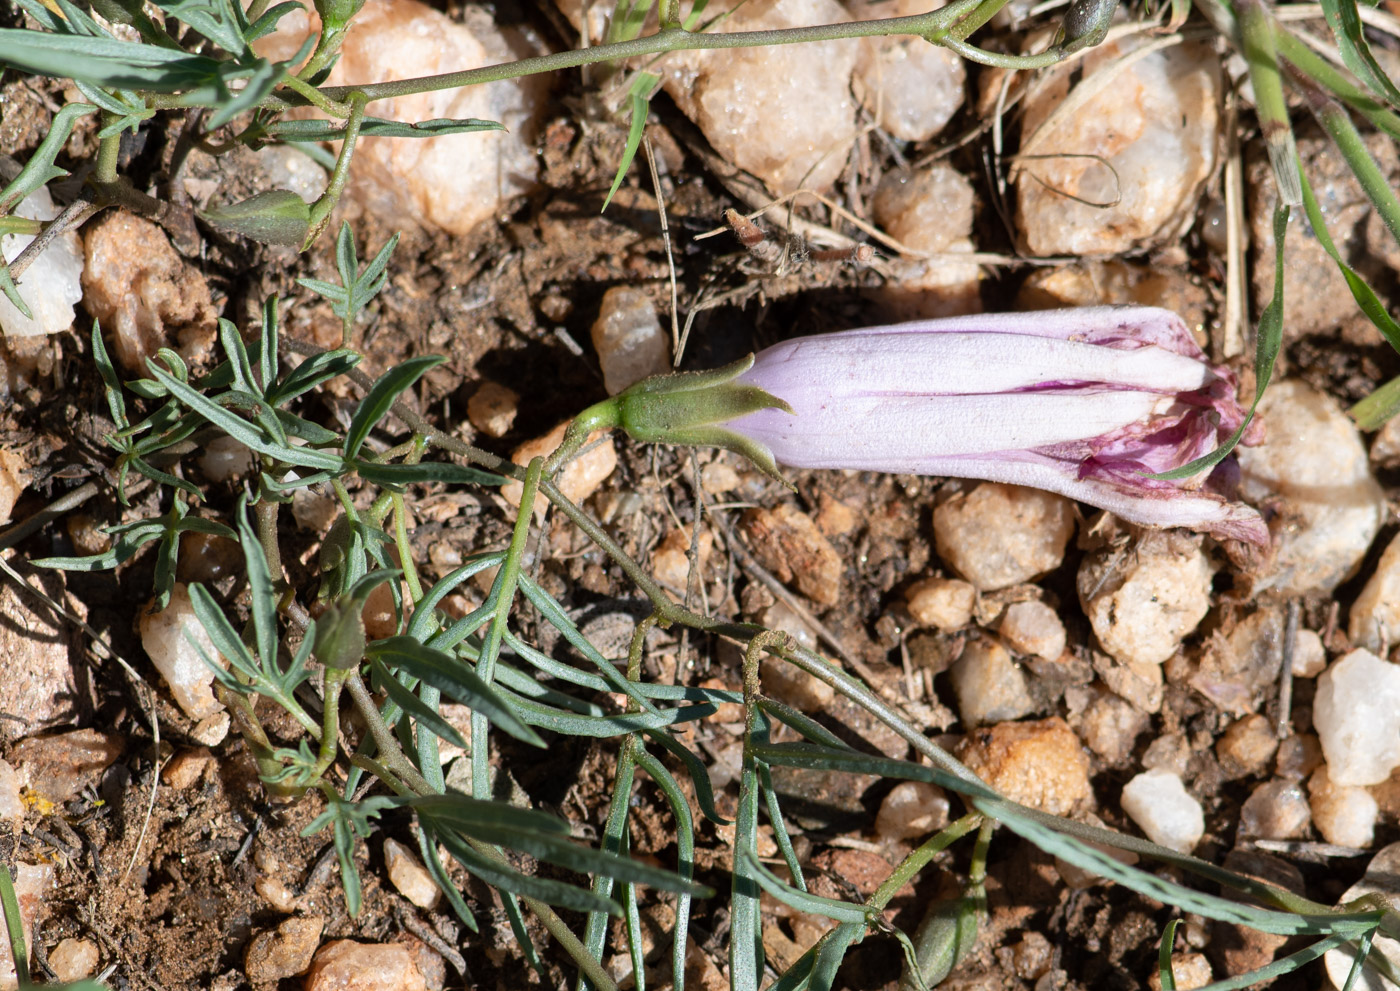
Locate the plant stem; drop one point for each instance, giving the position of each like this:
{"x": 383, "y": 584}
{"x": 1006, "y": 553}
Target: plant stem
{"x": 389, "y": 751}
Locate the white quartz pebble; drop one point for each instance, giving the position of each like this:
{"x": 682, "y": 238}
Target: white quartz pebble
{"x": 455, "y": 181}
{"x": 1276, "y": 810}
{"x": 998, "y": 535}
{"x": 225, "y": 458}
{"x": 1313, "y": 465}
{"x": 51, "y": 284}
{"x": 1141, "y": 605}
{"x": 912, "y": 808}
{"x": 1356, "y": 713}
{"x": 945, "y": 603}
{"x": 913, "y": 88}
{"x": 1033, "y": 628}
{"x": 1344, "y": 815}
{"x": 784, "y": 112}
{"x": 409, "y": 875}
{"x": 1375, "y": 616}
{"x": 1163, "y": 809}
{"x": 1309, "y": 655}
{"x": 1124, "y": 168}
{"x": 989, "y": 685}
{"x": 166, "y": 636}
{"x": 1380, "y": 879}
{"x": 629, "y": 340}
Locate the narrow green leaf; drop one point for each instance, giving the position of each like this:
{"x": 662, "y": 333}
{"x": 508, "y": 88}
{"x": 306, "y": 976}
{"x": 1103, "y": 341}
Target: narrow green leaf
{"x": 433, "y": 862}
{"x": 14, "y": 926}
{"x": 1345, "y": 22}
{"x": 381, "y": 396}
{"x": 327, "y": 130}
{"x": 1164, "y": 957}
{"x": 311, "y": 373}
{"x": 11, "y": 291}
{"x": 1371, "y": 412}
{"x": 221, "y": 633}
{"x": 41, "y": 168}
{"x": 803, "y": 901}
{"x": 277, "y": 216}
{"x": 639, "y": 101}
{"x": 398, "y": 475}
{"x": 240, "y": 429}
{"x": 415, "y": 706}
{"x": 505, "y": 878}
{"x": 453, "y": 679}
{"x": 685, "y": 847}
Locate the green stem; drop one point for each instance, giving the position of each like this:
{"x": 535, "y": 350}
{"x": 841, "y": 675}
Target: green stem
{"x": 405, "y": 549}
{"x": 317, "y": 98}
{"x": 504, "y": 590}
{"x": 1340, "y": 129}
{"x": 332, "y": 680}
{"x": 390, "y": 753}
{"x": 104, "y": 170}
{"x": 911, "y": 865}
{"x": 934, "y": 26}
{"x": 1326, "y": 75}
{"x": 321, "y": 209}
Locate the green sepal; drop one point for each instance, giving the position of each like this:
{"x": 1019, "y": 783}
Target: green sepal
{"x": 691, "y": 408}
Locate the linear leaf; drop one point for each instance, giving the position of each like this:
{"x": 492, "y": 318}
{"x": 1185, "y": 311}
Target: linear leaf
{"x": 377, "y": 402}
{"x": 41, "y": 168}
{"x": 326, "y": 130}
{"x": 311, "y": 373}
{"x": 803, "y": 901}
{"x": 455, "y": 680}
{"x": 507, "y": 878}
{"x": 397, "y": 475}
{"x": 415, "y": 706}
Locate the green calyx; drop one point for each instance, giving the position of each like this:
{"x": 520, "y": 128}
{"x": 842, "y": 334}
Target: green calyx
{"x": 688, "y": 409}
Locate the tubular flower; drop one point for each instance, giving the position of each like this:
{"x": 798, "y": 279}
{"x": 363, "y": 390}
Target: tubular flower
{"x": 1084, "y": 402}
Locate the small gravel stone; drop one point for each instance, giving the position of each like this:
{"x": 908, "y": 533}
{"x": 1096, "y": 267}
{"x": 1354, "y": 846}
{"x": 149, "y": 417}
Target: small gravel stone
{"x": 1169, "y": 752}
{"x": 989, "y": 684}
{"x": 1033, "y": 628}
{"x": 911, "y": 809}
{"x": 913, "y": 88}
{"x": 784, "y": 113}
{"x": 276, "y": 894}
{"x": 492, "y": 408}
{"x": 1309, "y": 654}
{"x": 1345, "y": 816}
{"x": 313, "y": 511}
{"x": 1235, "y": 671}
{"x": 283, "y": 952}
{"x": 629, "y": 340}
{"x": 56, "y": 768}
{"x": 39, "y": 688}
{"x": 1124, "y": 169}
{"x": 578, "y": 479}
{"x": 409, "y": 875}
{"x": 945, "y": 603}
{"x": 1032, "y": 956}
{"x": 224, "y": 458}
{"x": 74, "y": 959}
{"x": 11, "y": 803}
{"x": 1189, "y": 970}
{"x": 13, "y": 472}
{"x": 1141, "y": 685}
{"x": 1276, "y": 810}
{"x": 1164, "y": 810}
{"x": 1246, "y": 747}
{"x": 1298, "y": 756}
{"x": 1375, "y": 616}
{"x": 717, "y": 478}
{"x": 786, "y": 542}
{"x": 780, "y": 616}
{"x": 164, "y": 634}
{"x": 186, "y": 767}
{"x": 1110, "y": 727}
{"x": 454, "y": 181}
{"x": 1142, "y": 605}
{"x": 1000, "y": 535}
{"x": 143, "y": 293}
{"x": 345, "y": 965}
{"x": 1356, "y": 713}
{"x": 1040, "y": 764}
{"x": 789, "y": 683}
{"x": 1380, "y": 879}
{"x": 670, "y": 561}
{"x": 1314, "y": 466}
{"x": 1385, "y": 448}
{"x": 51, "y": 285}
